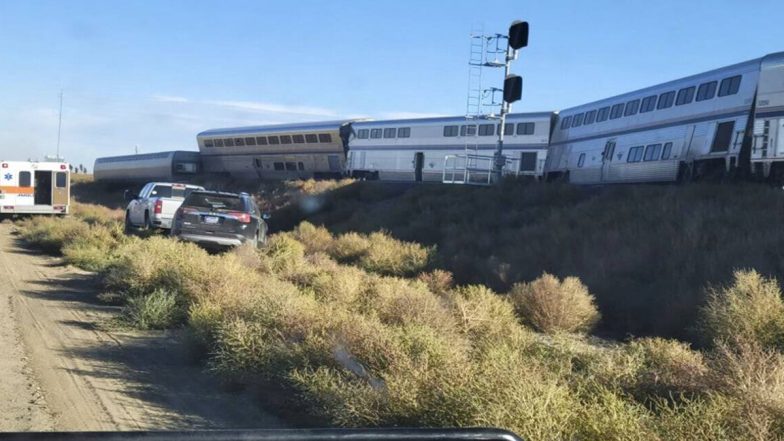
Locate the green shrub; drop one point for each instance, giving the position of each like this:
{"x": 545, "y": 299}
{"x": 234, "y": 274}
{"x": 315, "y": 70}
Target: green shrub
{"x": 160, "y": 309}
{"x": 316, "y": 239}
{"x": 93, "y": 251}
{"x": 750, "y": 309}
{"x": 395, "y": 258}
{"x": 143, "y": 266}
{"x": 51, "y": 233}
{"x": 550, "y": 305}
{"x": 283, "y": 253}
{"x": 349, "y": 247}
{"x": 438, "y": 281}
{"x": 668, "y": 368}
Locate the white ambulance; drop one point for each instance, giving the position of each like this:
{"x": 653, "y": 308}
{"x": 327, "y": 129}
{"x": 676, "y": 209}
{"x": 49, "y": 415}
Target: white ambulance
{"x": 28, "y": 187}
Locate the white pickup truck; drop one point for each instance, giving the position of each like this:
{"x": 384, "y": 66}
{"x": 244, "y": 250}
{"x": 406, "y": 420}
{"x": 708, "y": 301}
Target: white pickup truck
{"x": 155, "y": 205}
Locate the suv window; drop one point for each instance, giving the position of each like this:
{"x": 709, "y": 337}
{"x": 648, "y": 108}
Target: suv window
{"x": 212, "y": 201}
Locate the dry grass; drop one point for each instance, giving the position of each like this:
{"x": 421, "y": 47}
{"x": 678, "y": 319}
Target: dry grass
{"x": 550, "y": 305}
{"x": 368, "y": 333}
{"x": 750, "y": 309}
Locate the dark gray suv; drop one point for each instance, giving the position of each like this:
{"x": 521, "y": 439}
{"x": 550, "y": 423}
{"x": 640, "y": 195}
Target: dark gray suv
{"x": 217, "y": 219}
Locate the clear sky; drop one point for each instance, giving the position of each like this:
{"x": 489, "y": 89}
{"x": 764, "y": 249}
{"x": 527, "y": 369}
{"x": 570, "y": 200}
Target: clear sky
{"x": 152, "y": 73}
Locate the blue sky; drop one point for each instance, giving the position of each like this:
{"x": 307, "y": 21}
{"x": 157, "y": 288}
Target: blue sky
{"x": 154, "y": 73}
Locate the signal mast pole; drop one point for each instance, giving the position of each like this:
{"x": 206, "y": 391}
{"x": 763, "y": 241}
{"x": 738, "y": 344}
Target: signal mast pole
{"x": 513, "y": 88}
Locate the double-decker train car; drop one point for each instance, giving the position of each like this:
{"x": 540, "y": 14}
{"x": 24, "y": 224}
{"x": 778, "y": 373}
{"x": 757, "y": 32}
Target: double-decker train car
{"x": 282, "y": 151}
{"x": 162, "y": 166}
{"x": 420, "y": 149}
{"x": 720, "y": 122}
{"x": 767, "y": 153}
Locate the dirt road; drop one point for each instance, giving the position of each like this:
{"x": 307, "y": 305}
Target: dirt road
{"x": 61, "y": 370}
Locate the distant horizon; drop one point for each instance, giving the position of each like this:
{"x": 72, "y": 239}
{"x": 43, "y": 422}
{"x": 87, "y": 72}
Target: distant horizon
{"x": 131, "y": 76}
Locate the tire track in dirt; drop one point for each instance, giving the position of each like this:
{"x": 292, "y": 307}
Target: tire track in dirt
{"x": 91, "y": 378}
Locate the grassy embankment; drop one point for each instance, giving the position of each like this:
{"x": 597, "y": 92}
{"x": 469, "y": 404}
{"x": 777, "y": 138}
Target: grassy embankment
{"x": 368, "y": 331}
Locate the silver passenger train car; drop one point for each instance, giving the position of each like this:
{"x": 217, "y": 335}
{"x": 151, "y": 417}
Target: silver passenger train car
{"x": 282, "y": 151}
{"x": 680, "y": 130}
{"x": 420, "y": 149}
{"x": 161, "y": 166}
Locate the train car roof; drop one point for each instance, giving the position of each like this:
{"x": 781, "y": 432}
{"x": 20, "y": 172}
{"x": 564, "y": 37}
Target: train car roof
{"x": 666, "y": 84}
{"x": 318, "y": 125}
{"x": 448, "y": 119}
{"x": 142, "y": 156}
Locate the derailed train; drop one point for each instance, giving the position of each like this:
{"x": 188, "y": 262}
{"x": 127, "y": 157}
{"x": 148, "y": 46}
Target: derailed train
{"x": 721, "y": 122}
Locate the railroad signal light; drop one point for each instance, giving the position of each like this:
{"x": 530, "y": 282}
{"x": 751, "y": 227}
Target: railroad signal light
{"x": 513, "y": 88}
{"x": 518, "y": 34}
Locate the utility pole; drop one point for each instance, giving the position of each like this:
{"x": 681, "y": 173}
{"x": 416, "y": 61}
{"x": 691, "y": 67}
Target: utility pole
{"x": 59, "y": 124}
{"x": 513, "y": 88}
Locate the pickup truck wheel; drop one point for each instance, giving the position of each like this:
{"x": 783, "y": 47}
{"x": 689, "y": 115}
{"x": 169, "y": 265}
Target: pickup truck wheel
{"x": 128, "y": 225}
{"x": 147, "y": 222}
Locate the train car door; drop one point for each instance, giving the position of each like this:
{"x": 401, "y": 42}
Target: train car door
{"x": 60, "y": 188}
{"x": 419, "y": 164}
{"x": 607, "y": 158}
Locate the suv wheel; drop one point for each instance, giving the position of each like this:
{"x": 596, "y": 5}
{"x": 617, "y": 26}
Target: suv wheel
{"x": 256, "y": 240}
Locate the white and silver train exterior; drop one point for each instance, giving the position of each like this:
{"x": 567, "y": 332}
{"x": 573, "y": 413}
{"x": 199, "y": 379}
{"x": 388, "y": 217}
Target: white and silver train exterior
{"x": 416, "y": 149}
{"x": 161, "y": 166}
{"x": 283, "y": 151}
{"x": 680, "y": 130}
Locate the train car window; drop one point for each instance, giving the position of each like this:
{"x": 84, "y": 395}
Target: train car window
{"x": 218, "y": 143}
{"x": 311, "y": 138}
{"x": 278, "y": 166}
{"x": 250, "y": 141}
{"x": 274, "y": 140}
{"x": 24, "y": 179}
{"x": 707, "y": 90}
{"x": 665, "y": 100}
{"x": 325, "y": 138}
{"x": 617, "y": 111}
{"x": 261, "y": 140}
{"x": 404, "y": 132}
{"x": 581, "y": 160}
{"x": 468, "y": 130}
{"x": 376, "y": 133}
{"x": 652, "y": 152}
{"x": 729, "y": 86}
{"x": 486, "y": 129}
{"x": 390, "y": 133}
{"x": 361, "y": 134}
{"x": 635, "y": 154}
{"x": 632, "y": 107}
{"x": 508, "y": 129}
{"x": 577, "y": 120}
{"x": 228, "y": 142}
{"x": 648, "y": 103}
{"x": 299, "y": 139}
{"x": 239, "y": 142}
{"x": 301, "y": 166}
{"x": 590, "y": 117}
{"x": 208, "y": 143}
{"x": 602, "y": 114}
{"x": 290, "y": 166}
{"x": 666, "y": 151}
{"x": 566, "y": 122}
{"x": 285, "y": 139}
{"x": 60, "y": 180}
{"x": 450, "y": 130}
{"x": 685, "y": 96}
{"x": 526, "y": 128}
